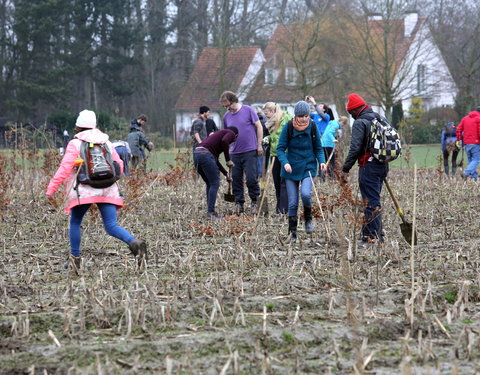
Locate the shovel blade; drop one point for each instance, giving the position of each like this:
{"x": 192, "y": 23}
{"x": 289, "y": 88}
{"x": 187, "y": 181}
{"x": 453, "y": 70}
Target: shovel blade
{"x": 229, "y": 197}
{"x": 408, "y": 233}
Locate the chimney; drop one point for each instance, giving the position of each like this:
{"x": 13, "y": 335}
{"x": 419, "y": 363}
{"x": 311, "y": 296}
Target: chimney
{"x": 410, "y": 21}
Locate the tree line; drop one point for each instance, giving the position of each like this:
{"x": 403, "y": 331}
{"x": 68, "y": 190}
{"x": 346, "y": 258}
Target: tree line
{"x": 125, "y": 57}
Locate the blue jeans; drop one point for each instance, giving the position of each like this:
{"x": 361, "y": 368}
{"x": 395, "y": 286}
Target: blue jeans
{"x": 370, "y": 181}
{"x": 125, "y": 156}
{"x": 292, "y": 191}
{"x": 473, "y": 157}
{"x": 206, "y": 165}
{"x": 109, "y": 217}
{"x": 245, "y": 163}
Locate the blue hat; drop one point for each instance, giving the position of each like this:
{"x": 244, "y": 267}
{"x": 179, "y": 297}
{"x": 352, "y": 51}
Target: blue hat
{"x": 302, "y": 108}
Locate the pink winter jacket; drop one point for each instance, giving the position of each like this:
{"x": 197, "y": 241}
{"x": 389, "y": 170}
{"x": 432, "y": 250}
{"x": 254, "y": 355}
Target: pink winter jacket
{"x": 66, "y": 172}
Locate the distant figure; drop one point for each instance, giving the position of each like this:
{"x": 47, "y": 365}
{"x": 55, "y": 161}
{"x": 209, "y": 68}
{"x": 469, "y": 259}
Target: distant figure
{"x": 198, "y": 130}
{"x": 66, "y": 139}
{"x": 469, "y": 131}
{"x": 449, "y": 147}
{"x": 138, "y": 141}
{"x": 123, "y": 150}
{"x": 210, "y": 126}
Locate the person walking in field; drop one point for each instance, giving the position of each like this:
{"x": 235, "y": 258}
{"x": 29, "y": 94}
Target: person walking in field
{"x": 276, "y": 120}
{"x": 79, "y": 196}
{"x": 468, "y": 131}
{"x": 138, "y": 141}
{"x": 449, "y": 146}
{"x": 206, "y": 160}
{"x": 199, "y": 131}
{"x": 246, "y": 149}
{"x": 371, "y": 172}
{"x": 299, "y": 149}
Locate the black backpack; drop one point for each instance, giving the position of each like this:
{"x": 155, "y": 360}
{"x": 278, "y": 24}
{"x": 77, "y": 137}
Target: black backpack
{"x": 98, "y": 170}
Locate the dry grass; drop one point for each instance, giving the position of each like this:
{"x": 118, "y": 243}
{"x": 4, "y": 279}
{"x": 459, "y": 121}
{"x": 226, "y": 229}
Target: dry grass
{"x": 233, "y": 296}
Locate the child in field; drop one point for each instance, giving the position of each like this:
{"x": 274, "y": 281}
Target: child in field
{"x": 79, "y": 197}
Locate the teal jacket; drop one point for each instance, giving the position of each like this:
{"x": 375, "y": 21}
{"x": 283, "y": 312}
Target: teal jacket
{"x": 300, "y": 153}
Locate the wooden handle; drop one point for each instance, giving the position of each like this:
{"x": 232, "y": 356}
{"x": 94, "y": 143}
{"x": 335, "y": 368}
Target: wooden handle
{"x": 397, "y": 206}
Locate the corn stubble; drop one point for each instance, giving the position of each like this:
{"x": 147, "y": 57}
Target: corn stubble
{"x": 235, "y": 296}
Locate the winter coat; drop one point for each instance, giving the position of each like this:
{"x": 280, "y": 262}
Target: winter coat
{"x": 448, "y": 136}
{"x": 275, "y": 135}
{"x": 469, "y": 129}
{"x": 330, "y": 134}
{"x": 300, "y": 152}
{"x": 359, "y": 143}
{"x": 136, "y": 140}
{"x": 67, "y": 171}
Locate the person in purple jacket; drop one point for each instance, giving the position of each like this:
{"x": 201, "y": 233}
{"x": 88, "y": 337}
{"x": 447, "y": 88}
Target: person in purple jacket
{"x": 205, "y": 159}
{"x": 245, "y": 150}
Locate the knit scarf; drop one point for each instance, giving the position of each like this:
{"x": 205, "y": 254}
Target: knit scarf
{"x": 299, "y": 127}
{"x": 270, "y": 124}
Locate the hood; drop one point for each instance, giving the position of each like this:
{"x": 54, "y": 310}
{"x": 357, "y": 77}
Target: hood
{"x": 474, "y": 114}
{"x": 93, "y": 135}
{"x": 134, "y": 125}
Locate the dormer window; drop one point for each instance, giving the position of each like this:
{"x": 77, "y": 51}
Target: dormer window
{"x": 271, "y": 76}
{"x": 290, "y": 76}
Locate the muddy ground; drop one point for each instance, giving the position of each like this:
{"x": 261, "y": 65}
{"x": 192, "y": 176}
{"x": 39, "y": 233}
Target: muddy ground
{"x": 234, "y": 296}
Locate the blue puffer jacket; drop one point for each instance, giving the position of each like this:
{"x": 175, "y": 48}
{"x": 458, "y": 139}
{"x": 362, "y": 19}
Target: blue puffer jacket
{"x": 299, "y": 152}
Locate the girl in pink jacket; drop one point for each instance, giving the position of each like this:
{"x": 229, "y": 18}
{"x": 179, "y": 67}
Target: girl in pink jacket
{"x": 79, "y": 197}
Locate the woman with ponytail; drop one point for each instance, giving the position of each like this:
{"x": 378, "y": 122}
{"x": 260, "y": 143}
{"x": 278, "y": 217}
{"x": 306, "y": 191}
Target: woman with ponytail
{"x": 276, "y": 119}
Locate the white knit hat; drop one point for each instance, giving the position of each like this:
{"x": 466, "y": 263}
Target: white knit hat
{"x": 86, "y": 119}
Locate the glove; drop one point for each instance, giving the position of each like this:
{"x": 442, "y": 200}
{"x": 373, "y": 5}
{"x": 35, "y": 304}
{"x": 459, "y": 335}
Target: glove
{"x": 266, "y": 141}
{"x": 458, "y": 144}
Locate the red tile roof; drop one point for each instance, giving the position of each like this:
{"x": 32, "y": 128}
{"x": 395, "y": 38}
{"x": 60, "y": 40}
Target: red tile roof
{"x": 207, "y": 80}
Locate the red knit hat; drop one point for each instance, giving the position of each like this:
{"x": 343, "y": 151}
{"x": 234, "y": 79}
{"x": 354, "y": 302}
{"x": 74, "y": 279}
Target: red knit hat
{"x": 354, "y": 101}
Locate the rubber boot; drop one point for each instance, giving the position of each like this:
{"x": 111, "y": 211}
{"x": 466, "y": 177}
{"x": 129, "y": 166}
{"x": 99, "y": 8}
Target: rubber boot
{"x": 292, "y": 228}
{"x": 454, "y": 170}
{"x": 446, "y": 169}
{"x": 74, "y": 263}
{"x": 138, "y": 248}
{"x": 307, "y": 213}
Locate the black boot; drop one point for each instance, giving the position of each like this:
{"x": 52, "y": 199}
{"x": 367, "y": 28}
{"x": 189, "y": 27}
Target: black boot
{"x": 307, "y": 213}
{"x": 292, "y": 228}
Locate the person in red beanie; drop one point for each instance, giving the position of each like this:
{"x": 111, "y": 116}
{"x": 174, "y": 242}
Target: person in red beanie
{"x": 371, "y": 173}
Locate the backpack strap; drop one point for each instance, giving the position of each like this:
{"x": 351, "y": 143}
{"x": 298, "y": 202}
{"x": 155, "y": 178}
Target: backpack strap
{"x": 313, "y": 131}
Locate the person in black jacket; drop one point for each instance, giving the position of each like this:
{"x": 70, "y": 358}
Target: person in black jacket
{"x": 371, "y": 173}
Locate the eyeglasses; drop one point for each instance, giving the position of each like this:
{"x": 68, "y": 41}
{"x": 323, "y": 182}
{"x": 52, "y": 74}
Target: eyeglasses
{"x": 227, "y": 105}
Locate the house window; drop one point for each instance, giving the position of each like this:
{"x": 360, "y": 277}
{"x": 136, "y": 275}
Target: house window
{"x": 421, "y": 73}
{"x": 271, "y": 76}
{"x": 290, "y": 76}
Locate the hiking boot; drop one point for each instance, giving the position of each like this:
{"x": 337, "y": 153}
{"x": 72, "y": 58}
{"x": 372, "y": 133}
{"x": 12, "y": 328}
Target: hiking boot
{"x": 307, "y": 213}
{"x": 212, "y": 216}
{"x": 254, "y": 208}
{"x": 74, "y": 263}
{"x": 138, "y": 248}
{"x": 239, "y": 208}
{"x": 292, "y": 228}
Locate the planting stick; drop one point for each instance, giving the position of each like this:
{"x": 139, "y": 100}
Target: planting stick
{"x": 412, "y": 251}
{"x": 320, "y": 206}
